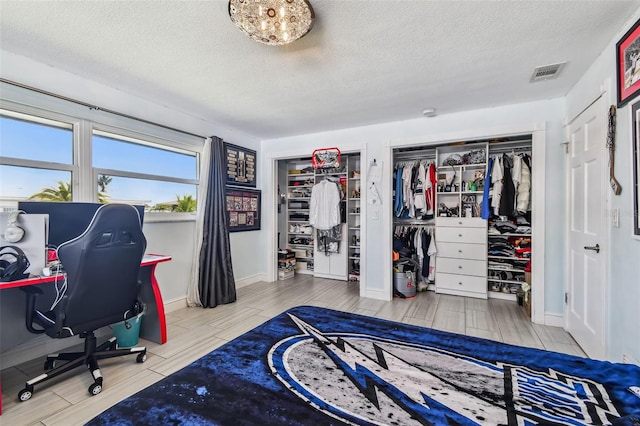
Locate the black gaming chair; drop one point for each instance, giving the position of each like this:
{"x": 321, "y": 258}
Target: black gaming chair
{"x": 101, "y": 288}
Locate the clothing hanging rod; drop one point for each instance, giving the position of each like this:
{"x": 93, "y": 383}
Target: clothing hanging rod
{"x": 508, "y": 150}
{"x": 427, "y": 154}
{"x": 516, "y": 143}
{"x": 410, "y": 222}
{"x": 97, "y": 108}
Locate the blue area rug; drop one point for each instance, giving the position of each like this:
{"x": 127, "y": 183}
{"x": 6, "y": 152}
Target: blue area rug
{"x": 314, "y": 366}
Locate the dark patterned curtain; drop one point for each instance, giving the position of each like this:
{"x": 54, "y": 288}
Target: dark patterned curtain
{"x": 216, "y": 284}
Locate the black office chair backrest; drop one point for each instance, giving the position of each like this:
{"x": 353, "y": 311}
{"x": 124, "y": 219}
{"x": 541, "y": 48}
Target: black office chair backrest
{"x": 102, "y": 266}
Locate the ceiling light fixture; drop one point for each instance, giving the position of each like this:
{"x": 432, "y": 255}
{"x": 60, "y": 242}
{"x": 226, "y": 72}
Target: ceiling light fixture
{"x": 273, "y": 22}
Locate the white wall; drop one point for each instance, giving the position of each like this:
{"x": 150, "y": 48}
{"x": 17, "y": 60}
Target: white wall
{"x": 172, "y": 238}
{"x": 379, "y": 141}
{"x": 623, "y": 334}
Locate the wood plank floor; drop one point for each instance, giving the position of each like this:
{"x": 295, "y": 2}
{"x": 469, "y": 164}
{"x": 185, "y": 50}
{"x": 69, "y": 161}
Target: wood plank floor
{"x": 194, "y": 332}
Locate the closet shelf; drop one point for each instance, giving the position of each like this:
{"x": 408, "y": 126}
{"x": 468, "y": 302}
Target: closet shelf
{"x": 299, "y": 186}
{"x": 509, "y": 234}
{"x": 417, "y": 222}
{"x": 494, "y": 280}
{"x": 299, "y": 198}
{"x": 301, "y": 245}
{"x": 491, "y": 256}
{"x": 295, "y": 175}
{"x": 521, "y": 271}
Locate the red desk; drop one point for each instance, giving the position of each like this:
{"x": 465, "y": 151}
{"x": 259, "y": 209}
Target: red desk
{"x": 154, "y": 324}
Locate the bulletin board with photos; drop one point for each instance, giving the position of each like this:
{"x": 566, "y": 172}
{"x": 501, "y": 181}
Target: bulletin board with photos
{"x": 241, "y": 166}
{"x": 243, "y": 209}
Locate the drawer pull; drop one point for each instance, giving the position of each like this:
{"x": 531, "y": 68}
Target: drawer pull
{"x": 459, "y": 266}
{"x": 459, "y": 283}
{"x": 459, "y": 223}
{"x": 459, "y": 251}
{"x": 460, "y": 235}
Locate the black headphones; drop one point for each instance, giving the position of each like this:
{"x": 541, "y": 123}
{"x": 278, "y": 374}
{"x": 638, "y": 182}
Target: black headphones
{"x": 13, "y": 271}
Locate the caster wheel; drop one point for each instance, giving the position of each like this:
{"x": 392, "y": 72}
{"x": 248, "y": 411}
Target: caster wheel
{"x": 49, "y": 365}
{"x": 141, "y": 358}
{"x": 95, "y": 389}
{"x": 25, "y": 395}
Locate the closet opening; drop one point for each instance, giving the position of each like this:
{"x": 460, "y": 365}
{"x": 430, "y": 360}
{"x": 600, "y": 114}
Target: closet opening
{"x": 462, "y": 214}
{"x": 332, "y": 252}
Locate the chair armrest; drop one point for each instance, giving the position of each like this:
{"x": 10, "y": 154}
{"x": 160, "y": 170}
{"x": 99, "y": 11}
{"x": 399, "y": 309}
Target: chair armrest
{"x": 32, "y": 293}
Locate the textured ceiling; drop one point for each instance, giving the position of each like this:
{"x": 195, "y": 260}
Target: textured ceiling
{"x": 364, "y": 62}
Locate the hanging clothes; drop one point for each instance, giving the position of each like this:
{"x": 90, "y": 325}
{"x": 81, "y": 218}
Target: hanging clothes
{"x": 398, "y": 202}
{"x": 432, "y": 252}
{"x": 496, "y": 178}
{"x": 419, "y": 198}
{"x": 407, "y": 194}
{"x": 523, "y": 196}
{"x": 507, "y": 200}
{"x": 486, "y": 206}
{"x": 324, "y": 207}
{"x": 430, "y": 190}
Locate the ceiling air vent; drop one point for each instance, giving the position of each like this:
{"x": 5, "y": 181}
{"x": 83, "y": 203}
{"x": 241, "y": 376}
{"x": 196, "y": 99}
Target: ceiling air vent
{"x": 546, "y": 72}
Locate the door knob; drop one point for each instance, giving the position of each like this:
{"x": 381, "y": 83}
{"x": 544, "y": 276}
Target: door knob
{"x": 595, "y": 248}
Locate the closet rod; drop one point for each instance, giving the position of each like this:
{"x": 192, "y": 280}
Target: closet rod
{"x": 97, "y": 108}
{"x": 413, "y": 223}
{"x": 508, "y": 150}
{"x": 413, "y": 155}
{"x": 498, "y": 145}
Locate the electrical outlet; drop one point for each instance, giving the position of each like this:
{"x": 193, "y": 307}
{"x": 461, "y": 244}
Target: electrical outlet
{"x": 615, "y": 218}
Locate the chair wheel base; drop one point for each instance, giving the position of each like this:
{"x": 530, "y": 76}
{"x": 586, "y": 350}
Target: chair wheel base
{"x": 142, "y": 357}
{"x": 95, "y": 389}
{"x": 25, "y": 394}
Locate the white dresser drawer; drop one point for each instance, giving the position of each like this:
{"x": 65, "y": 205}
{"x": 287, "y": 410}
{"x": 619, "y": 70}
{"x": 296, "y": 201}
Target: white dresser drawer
{"x": 461, "y": 266}
{"x": 462, "y": 251}
{"x": 461, "y": 235}
{"x": 466, "y": 222}
{"x": 460, "y": 283}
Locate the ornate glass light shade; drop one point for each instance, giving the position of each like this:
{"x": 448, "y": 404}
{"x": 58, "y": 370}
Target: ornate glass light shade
{"x": 273, "y": 22}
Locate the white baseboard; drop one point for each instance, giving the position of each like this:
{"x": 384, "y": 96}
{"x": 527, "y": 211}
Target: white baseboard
{"x": 175, "y": 304}
{"x": 243, "y": 282}
{"x": 554, "y": 320}
{"x": 380, "y": 294}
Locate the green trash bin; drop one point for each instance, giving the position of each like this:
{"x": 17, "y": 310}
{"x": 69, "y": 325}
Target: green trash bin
{"x": 127, "y": 337}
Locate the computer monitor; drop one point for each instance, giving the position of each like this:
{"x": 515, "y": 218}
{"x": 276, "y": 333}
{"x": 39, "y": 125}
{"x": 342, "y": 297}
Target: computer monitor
{"x": 66, "y": 220}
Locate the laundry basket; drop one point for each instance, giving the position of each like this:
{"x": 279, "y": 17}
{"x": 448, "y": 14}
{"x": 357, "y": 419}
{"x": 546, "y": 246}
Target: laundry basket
{"x": 404, "y": 284}
{"x": 404, "y": 277}
{"x": 127, "y": 332}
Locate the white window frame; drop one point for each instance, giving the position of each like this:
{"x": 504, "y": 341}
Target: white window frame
{"x": 153, "y": 142}
{"x": 53, "y": 119}
{"x": 83, "y": 174}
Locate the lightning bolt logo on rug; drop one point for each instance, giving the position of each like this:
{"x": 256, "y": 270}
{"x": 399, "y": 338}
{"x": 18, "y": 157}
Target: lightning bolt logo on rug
{"x": 364, "y": 379}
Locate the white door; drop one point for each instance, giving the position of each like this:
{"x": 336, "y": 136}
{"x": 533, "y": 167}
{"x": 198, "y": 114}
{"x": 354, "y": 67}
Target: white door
{"x": 586, "y": 288}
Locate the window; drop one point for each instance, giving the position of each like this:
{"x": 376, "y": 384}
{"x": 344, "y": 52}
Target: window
{"x": 46, "y": 156}
{"x": 142, "y": 172}
{"x": 36, "y": 159}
